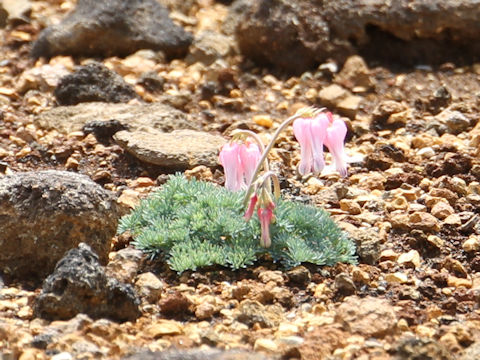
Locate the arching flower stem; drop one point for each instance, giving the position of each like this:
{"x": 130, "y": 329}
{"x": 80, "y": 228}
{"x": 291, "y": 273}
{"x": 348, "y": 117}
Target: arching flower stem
{"x": 302, "y": 112}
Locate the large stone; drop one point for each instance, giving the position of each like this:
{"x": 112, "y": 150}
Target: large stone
{"x": 180, "y": 149}
{"x": 367, "y": 316}
{"x": 113, "y": 27}
{"x": 93, "y": 82}
{"x": 79, "y": 285}
{"x": 297, "y": 35}
{"x": 158, "y": 116}
{"x": 12, "y": 11}
{"x": 46, "y": 213}
{"x": 208, "y": 47}
{"x": 413, "y": 348}
{"x": 197, "y": 354}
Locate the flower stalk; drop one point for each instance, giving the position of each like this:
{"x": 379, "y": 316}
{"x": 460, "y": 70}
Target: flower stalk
{"x": 298, "y": 114}
{"x": 243, "y": 163}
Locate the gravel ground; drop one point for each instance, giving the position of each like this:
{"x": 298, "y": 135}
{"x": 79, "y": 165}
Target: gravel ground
{"x": 412, "y": 204}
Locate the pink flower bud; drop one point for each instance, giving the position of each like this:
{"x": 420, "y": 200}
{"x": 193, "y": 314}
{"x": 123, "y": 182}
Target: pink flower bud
{"x": 251, "y": 207}
{"x": 266, "y": 217}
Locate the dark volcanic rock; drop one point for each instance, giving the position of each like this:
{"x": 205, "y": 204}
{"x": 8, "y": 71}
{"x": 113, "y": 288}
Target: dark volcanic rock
{"x": 79, "y": 285}
{"x": 289, "y": 34}
{"x": 113, "y": 27}
{"x": 46, "y": 213}
{"x": 93, "y": 82}
{"x": 296, "y": 35}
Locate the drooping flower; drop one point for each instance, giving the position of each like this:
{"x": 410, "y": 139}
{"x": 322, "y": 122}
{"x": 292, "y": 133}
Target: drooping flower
{"x": 263, "y": 200}
{"x": 239, "y": 162}
{"x": 249, "y": 157}
{"x": 230, "y": 160}
{"x": 336, "y": 132}
{"x": 310, "y": 132}
{"x": 251, "y": 207}
{"x": 265, "y": 214}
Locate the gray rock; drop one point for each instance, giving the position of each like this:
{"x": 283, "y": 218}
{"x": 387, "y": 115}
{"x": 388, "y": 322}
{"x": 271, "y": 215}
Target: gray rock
{"x": 209, "y": 46}
{"x": 344, "y": 284}
{"x": 251, "y": 312}
{"x": 292, "y": 35}
{"x": 12, "y": 11}
{"x": 44, "y": 214}
{"x": 296, "y": 35}
{"x": 158, "y": 116}
{"x": 56, "y": 330}
{"x": 197, "y": 354}
{"x": 113, "y": 27}
{"x": 149, "y": 287}
{"x": 93, "y": 82}
{"x": 79, "y": 285}
{"x": 454, "y": 121}
{"x": 413, "y": 348}
{"x": 180, "y": 149}
{"x": 124, "y": 264}
{"x": 368, "y": 244}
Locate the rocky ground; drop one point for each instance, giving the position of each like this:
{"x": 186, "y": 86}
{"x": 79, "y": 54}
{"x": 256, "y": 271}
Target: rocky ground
{"x": 98, "y": 107}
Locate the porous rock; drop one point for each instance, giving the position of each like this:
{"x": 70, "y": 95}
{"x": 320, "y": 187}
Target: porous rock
{"x": 46, "y": 213}
{"x": 197, "y": 354}
{"x": 368, "y": 244}
{"x": 93, "y": 82}
{"x": 252, "y": 312}
{"x": 208, "y": 47}
{"x": 296, "y": 35}
{"x": 180, "y": 149}
{"x": 113, "y": 27}
{"x": 113, "y": 117}
{"x": 368, "y": 316}
{"x": 79, "y": 285}
{"x": 412, "y": 348}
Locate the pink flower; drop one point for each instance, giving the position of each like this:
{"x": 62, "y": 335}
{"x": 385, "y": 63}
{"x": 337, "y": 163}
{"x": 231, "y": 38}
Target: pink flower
{"x": 265, "y": 214}
{"x": 251, "y": 207}
{"x": 239, "y": 162}
{"x": 336, "y": 133}
{"x": 249, "y": 157}
{"x": 311, "y": 133}
{"x": 230, "y": 160}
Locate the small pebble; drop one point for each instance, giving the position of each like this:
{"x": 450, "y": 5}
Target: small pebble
{"x": 263, "y": 120}
{"x": 472, "y": 244}
{"x": 410, "y": 259}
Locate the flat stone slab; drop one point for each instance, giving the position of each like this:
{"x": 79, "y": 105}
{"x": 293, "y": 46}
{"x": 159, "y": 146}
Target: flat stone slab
{"x": 180, "y": 149}
{"x": 66, "y": 119}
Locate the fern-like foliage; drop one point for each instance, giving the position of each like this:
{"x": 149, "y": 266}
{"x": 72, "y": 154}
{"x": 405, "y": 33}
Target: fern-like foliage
{"x": 192, "y": 224}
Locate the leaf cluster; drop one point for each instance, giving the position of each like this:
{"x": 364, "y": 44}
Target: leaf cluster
{"x": 193, "y": 224}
